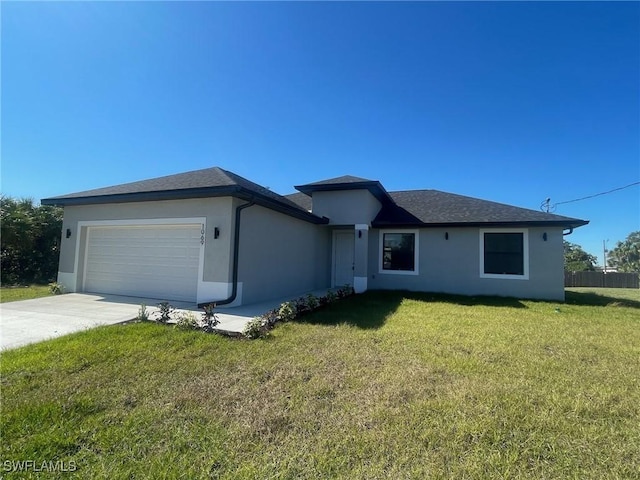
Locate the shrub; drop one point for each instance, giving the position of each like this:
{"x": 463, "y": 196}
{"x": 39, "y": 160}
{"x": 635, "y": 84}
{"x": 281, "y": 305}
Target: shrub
{"x": 344, "y": 291}
{"x": 259, "y": 327}
{"x": 287, "y": 312}
{"x": 312, "y": 302}
{"x": 256, "y": 328}
{"x": 187, "y": 321}
{"x": 301, "y": 306}
{"x": 209, "y": 318}
{"x": 56, "y": 288}
{"x": 271, "y": 318}
{"x": 143, "y": 314}
{"x": 331, "y": 296}
{"x": 165, "y": 311}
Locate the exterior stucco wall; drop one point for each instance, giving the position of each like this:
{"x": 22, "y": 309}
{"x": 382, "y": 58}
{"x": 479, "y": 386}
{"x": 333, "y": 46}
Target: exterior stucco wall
{"x": 346, "y": 207}
{"x": 453, "y": 265}
{"x": 217, "y": 252}
{"x": 281, "y": 255}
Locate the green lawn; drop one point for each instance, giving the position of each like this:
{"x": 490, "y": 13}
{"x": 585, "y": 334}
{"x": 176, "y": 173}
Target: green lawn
{"x": 602, "y": 295}
{"x": 382, "y": 385}
{"x": 11, "y": 294}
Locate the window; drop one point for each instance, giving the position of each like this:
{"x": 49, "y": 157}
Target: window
{"x": 399, "y": 252}
{"x": 504, "y": 254}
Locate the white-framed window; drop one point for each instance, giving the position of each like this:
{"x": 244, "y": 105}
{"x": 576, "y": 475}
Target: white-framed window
{"x": 399, "y": 252}
{"x": 504, "y": 253}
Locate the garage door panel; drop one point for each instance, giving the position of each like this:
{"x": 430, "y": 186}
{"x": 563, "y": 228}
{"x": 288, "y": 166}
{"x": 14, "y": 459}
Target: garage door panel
{"x": 159, "y": 261}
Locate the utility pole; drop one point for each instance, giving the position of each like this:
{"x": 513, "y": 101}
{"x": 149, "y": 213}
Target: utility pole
{"x": 604, "y": 253}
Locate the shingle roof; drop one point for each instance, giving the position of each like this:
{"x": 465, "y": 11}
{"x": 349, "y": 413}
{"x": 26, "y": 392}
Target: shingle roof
{"x": 411, "y": 207}
{"x": 300, "y": 199}
{"x": 206, "y": 178}
{"x": 210, "y": 177}
{"x": 433, "y": 207}
{"x": 346, "y": 182}
{"x": 209, "y": 182}
{"x": 339, "y": 180}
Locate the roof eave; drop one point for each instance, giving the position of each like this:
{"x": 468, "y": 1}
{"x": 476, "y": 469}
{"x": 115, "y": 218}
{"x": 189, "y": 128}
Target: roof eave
{"x": 374, "y": 187}
{"x": 143, "y": 196}
{"x": 514, "y": 224}
{"x": 183, "y": 194}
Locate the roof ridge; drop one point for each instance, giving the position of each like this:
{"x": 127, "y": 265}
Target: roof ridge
{"x": 340, "y": 180}
{"x": 234, "y": 176}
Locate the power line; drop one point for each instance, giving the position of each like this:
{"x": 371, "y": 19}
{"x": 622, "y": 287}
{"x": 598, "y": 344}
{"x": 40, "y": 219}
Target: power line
{"x": 598, "y": 194}
{"x": 551, "y": 207}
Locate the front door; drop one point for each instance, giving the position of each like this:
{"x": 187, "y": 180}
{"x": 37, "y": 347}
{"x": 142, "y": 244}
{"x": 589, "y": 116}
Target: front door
{"x": 343, "y": 258}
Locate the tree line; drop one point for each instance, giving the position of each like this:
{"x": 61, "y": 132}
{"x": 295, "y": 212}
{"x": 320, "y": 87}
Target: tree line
{"x": 624, "y": 257}
{"x": 30, "y": 241}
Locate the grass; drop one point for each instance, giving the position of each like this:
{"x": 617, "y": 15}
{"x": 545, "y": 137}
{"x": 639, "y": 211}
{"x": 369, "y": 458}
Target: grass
{"x": 382, "y": 385}
{"x": 602, "y": 296}
{"x": 12, "y": 294}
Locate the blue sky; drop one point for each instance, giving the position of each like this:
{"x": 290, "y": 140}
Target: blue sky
{"x": 507, "y": 101}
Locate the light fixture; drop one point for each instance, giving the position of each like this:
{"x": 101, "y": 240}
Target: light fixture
{"x": 68, "y": 232}
{"x": 359, "y": 233}
{"x": 446, "y": 235}
{"x": 216, "y": 232}
{"x": 544, "y": 236}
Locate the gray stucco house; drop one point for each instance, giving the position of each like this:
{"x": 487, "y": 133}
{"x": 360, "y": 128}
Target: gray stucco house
{"x": 211, "y": 235}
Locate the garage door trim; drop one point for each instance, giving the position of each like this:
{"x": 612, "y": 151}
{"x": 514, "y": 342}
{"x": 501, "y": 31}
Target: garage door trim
{"x": 143, "y": 222}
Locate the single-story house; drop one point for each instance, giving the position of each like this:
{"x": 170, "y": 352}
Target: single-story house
{"x": 213, "y": 236}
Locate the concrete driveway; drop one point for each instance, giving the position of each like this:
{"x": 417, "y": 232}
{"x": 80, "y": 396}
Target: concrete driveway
{"x": 30, "y": 321}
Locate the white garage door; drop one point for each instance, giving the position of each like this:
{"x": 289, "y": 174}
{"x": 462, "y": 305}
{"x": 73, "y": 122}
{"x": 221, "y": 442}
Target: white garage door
{"x": 156, "y": 261}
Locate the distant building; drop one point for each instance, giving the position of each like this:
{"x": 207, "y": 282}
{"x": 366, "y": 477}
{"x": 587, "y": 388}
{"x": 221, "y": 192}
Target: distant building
{"x": 606, "y": 269}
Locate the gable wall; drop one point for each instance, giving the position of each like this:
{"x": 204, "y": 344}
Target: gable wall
{"x": 453, "y": 265}
{"x": 346, "y": 207}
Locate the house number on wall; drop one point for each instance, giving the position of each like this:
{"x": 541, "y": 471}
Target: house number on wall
{"x": 202, "y": 235}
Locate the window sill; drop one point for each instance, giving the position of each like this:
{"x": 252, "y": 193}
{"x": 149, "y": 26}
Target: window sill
{"x": 504, "y": 277}
{"x": 398, "y": 272}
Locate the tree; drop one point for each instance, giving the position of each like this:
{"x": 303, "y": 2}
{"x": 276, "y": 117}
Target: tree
{"x": 30, "y": 240}
{"x": 576, "y": 259}
{"x": 625, "y": 257}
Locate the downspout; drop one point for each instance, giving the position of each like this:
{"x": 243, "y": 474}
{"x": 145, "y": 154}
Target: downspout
{"x": 236, "y": 250}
